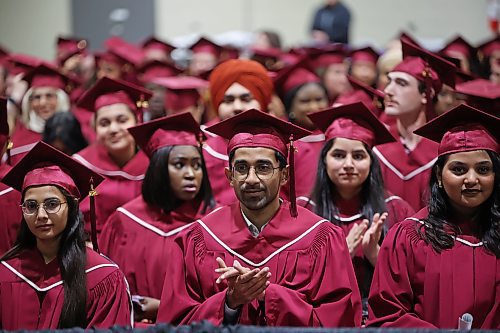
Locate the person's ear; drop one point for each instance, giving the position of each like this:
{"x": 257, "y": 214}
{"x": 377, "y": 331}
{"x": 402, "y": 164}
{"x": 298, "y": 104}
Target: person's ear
{"x": 285, "y": 173}
{"x": 229, "y": 176}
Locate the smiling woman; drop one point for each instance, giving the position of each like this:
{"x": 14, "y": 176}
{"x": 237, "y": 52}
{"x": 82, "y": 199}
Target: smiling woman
{"x": 453, "y": 245}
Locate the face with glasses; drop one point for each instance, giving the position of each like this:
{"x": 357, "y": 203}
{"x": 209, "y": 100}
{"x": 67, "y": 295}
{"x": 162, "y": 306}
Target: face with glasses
{"x": 45, "y": 211}
{"x": 256, "y": 177}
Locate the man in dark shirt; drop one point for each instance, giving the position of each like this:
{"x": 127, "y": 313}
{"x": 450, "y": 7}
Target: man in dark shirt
{"x": 331, "y": 23}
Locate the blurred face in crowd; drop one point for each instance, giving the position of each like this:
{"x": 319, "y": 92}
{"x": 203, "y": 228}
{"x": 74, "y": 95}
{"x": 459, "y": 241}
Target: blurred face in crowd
{"x": 348, "y": 165}
{"x": 157, "y": 101}
{"x": 311, "y": 97}
{"x": 111, "y": 125}
{"x": 402, "y": 96}
{"x": 185, "y": 172}
{"x": 202, "y": 62}
{"x": 364, "y": 71}
{"x": 335, "y": 80}
{"x": 44, "y": 101}
{"x": 468, "y": 179}
{"x": 109, "y": 69}
{"x": 237, "y": 99}
{"x": 446, "y": 100}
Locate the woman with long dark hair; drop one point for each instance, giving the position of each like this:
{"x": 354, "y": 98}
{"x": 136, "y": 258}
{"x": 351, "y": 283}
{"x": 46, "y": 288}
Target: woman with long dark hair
{"x": 349, "y": 190}
{"x": 49, "y": 279}
{"x": 441, "y": 267}
{"x": 175, "y": 192}
{"x": 116, "y": 106}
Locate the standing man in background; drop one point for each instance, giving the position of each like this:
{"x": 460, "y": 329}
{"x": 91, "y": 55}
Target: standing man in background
{"x": 331, "y": 23}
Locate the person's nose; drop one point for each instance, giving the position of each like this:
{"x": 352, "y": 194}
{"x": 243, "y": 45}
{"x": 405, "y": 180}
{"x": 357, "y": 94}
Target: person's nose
{"x": 252, "y": 177}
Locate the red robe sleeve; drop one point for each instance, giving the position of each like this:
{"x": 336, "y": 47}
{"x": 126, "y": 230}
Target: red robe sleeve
{"x": 390, "y": 303}
{"x": 330, "y": 298}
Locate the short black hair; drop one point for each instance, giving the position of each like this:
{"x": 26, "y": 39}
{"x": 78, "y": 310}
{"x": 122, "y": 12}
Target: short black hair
{"x": 279, "y": 157}
{"x": 65, "y": 127}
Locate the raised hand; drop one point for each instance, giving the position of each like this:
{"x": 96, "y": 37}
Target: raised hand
{"x": 372, "y": 237}
{"x": 355, "y": 236}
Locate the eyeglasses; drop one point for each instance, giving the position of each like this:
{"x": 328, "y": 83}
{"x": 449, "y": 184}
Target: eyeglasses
{"x": 263, "y": 171}
{"x": 51, "y": 206}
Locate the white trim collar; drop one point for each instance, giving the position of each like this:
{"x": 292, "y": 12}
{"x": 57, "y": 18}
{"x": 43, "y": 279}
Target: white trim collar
{"x": 399, "y": 173}
{"x": 112, "y": 173}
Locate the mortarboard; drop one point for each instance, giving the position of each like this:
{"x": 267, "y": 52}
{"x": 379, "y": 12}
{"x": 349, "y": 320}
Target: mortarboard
{"x": 155, "y": 68}
{"x": 107, "y": 91}
{"x": 156, "y": 44}
{"x": 22, "y": 63}
{"x": 45, "y": 165}
{"x": 175, "y": 130}
{"x": 46, "y": 75}
{"x": 482, "y": 94}
{"x": 352, "y": 121}
{"x": 68, "y": 47}
{"x": 459, "y": 45}
{"x": 4, "y": 124}
{"x": 366, "y": 54}
{"x": 204, "y": 45}
{"x": 295, "y": 75}
{"x": 487, "y": 48}
{"x": 461, "y": 129}
{"x": 254, "y": 128}
{"x": 182, "y": 91}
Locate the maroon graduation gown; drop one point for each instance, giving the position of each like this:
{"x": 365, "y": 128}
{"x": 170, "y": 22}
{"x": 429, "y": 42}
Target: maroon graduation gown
{"x": 312, "y": 282}
{"x": 119, "y": 186}
{"x": 349, "y": 213}
{"x": 216, "y": 160}
{"x": 138, "y": 237}
{"x": 307, "y": 154}
{"x": 414, "y": 286}
{"x": 10, "y": 213}
{"x": 407, "y": 174}
{"x": 23, "y": 140}
{"x": 32, "y": 294}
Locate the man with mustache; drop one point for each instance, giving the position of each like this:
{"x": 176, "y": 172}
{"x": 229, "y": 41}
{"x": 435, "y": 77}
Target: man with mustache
{"x": 261, "y": 260}
{"x": 410, "y": 94}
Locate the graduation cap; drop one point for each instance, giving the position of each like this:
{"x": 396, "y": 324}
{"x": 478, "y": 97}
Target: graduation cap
{"x": 482, "y": 94}
{"x": 107, "y": 91}
{"x": 175, "y": 130}
{"x": 254, "y": 128}
{"x": 46, "y": 75}
{"x": 295, "y": 75}
{"x": 458, "y": 45}
{"x": 155, "y": 68}
{"x": 405, "y": 36}
{"x": 229, "y": 52}
{"x": 123, "y": 50}
{"x": 182, "y": 91}
{"x": 153, "y": 43}
{"x": 47, "y": 166}
{"x": 487, "y": 48}
{"x": 428, "y": 68}
{"x": 204, "y": 45}
{"x": 352, "y": 121}
{"x": 326, "y": 56}
{"x": 373, "y": 98}
{"x": 68, "y": 47}
{"x": 22, "y": 63}
{"x": 365, "y": 54}
{"x": 4, "y": 125}
{"x": 461, "y": 129}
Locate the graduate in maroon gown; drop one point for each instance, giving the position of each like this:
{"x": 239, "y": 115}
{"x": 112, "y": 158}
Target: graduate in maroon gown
{"x": 349, "y": 189}
{"x": 262, "y": 260}
{"x": 117, "y": 105}
{"x": 406, "y": 164}
{"x": 235, "y": 86}
{"x": 48, "y": 94}
{"x": 302, "y": 93}
{"x": 175, "y": 192}
{"x": 9, "y": 197}
{"x": 443, "y": 264}
{"x": 50, "y": 279}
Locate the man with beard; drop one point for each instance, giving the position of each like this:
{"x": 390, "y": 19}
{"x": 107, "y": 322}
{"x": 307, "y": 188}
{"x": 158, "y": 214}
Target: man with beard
{"x": 261, "y": 260}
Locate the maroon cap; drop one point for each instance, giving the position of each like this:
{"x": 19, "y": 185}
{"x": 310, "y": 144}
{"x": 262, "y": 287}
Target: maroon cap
{"x": 182, "y": 91}
{"x": 153, "y": 43}
{"x": 405, "y": 36}
{"x": 3, "y": 52}
{"x": 459, "y": 45}
{"x": 327, "y": 55}
{"x": 204, "y": 45}
{"x": 291, "y": 57}
{"x": 155, "y": 69}
{"x": 373, "y": 98}
{"x": 46, "y": 75}
{"x": 68, "y": 47}
{"x": 124, "y": 50}
{"x": 295, "y": 75}
{"x": 461, "y": 129}
{"x": 229, "y": 52}
{"x": 365, "y": 54}
{"x": 22, "y": 63}
{"x": 4, "y": 124}
{"x": 482, "y": 94}
{"x": 352, "y": 121}
{"x": 45, "y": 165}
{"x": 267, "y": 53}
{"x": 175, "y": 130}
{"x": 254, "y": 128}
{"x": 107, "y": 91}
{"x": 487, "y": 48}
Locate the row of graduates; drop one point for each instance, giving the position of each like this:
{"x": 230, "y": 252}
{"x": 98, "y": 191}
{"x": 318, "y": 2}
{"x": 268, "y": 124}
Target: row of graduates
{"x": 295, "y": 265}
{"x": 227, "y": 83}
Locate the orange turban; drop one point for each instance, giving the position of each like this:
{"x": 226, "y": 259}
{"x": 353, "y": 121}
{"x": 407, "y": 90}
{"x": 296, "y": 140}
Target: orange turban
{"x": 248, "y": 73}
